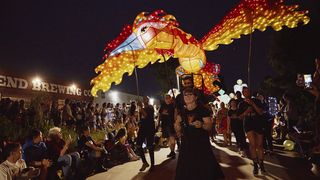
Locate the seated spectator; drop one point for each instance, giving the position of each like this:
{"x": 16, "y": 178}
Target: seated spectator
{"x": 14, "y": 167}
{"x": 2, "y": 145}
{"x": 132, "y": 129}
{"x": 35, "y": 153}
{"x": 109, "y": 142}
{"x": 57, "y": 152}
{"x": 290, "y": 111}
{"x": 279, "y": 128}
{"x": 95, "y": 151}
{"x": 122, "y": 148}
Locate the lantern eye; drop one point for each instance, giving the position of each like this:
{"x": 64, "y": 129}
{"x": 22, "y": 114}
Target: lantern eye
{"x": 144, "y": 29}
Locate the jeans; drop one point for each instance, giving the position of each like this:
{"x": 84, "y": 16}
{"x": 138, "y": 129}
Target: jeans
{"x": 69, "y": 160}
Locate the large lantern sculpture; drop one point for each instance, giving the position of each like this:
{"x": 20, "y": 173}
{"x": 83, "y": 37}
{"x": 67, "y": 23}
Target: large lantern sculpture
{"x": 155, "y": 37}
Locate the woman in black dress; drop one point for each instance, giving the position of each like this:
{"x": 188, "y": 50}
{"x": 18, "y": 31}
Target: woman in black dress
{"x": 196, "y": 158}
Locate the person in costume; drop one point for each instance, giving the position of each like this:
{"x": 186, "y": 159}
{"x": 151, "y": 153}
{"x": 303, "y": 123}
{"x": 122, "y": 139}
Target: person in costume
{"x": 196, "y": 159}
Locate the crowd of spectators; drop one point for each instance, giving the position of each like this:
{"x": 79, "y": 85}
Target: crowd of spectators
{"x": 277, "y": 128}
{"x": 51, "y": 154}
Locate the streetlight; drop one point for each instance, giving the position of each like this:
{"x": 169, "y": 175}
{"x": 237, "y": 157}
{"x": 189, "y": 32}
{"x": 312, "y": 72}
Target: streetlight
{"x": 36, "y": 80}
{"x": 73, "y": 87}
{"x": 36, "y": 83}
{"x": 114, "y": 96}
{"x": 152, "y": 101}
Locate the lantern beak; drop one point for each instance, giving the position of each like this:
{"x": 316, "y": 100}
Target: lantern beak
{"x": 132, "y": 43}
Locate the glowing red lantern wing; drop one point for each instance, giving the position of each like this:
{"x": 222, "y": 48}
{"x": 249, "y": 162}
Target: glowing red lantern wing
{"x": 250, "y": 15}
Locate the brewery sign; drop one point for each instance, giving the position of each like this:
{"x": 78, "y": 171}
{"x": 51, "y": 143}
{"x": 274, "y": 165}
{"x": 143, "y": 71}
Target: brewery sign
{"x": 37, "y": 85}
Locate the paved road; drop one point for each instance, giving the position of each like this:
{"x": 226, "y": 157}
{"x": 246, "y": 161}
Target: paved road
{"x": 280, "y": 165}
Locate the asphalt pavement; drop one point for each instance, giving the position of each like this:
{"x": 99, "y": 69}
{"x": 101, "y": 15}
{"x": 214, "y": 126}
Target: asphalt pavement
{"x": 281, "y": 164}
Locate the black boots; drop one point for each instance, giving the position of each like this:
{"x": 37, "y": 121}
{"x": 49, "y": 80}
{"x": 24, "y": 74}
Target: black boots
{"x": 151, "y": 154}
{"x": 172, "y": 155}
{"x": 255, "y": 167}
{"x": 144, "y": 166}
{"x": 144, "y": 161}
{"x": 261, "y": 165}
{"x": 258, "y": 165}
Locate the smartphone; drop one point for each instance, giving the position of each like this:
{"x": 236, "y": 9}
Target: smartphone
{"x": 25, "y": 170}
{"x": 307, "y": 81}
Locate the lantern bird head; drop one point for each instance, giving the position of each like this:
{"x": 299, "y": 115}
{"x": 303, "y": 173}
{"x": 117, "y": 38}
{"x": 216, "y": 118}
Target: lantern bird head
{"x": 136, "y": 46}
{"x": 145, "y": 28}
{"x": 132, "y": 43}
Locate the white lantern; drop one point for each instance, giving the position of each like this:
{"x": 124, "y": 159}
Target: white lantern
{"x": 239, "y": 86}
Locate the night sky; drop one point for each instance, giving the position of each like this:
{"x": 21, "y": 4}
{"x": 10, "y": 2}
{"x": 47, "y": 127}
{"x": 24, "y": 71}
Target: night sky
{"x": 63, "y": 40}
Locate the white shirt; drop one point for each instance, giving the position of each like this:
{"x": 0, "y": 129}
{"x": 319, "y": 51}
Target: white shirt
{"x": 9, "y": 171}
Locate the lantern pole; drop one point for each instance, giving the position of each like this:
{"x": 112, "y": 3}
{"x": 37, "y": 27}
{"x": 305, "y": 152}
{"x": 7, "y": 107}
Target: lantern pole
{"x": 250, "y": 51}
{"x": 167, "y": 72}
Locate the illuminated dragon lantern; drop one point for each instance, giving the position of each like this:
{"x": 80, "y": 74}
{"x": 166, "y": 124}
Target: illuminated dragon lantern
{"x": 155, "y": 37}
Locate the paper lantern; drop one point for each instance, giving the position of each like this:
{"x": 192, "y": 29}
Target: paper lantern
{"x": 288, "y": 145}
{"x": 155, "y": 37}
{"x": 239, "y": 86}
{"x": 173, "y": 92}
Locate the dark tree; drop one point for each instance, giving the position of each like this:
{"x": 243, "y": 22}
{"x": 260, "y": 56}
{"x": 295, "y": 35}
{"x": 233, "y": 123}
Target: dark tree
{"x": 166, "y": 75}
{"x": 293, "y": 51}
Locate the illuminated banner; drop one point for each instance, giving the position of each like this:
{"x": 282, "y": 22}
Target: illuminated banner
{"x": 19, "y": 83}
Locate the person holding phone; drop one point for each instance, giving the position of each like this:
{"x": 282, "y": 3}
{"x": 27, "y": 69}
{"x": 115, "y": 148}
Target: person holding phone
{"x": 15, "y": 167}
